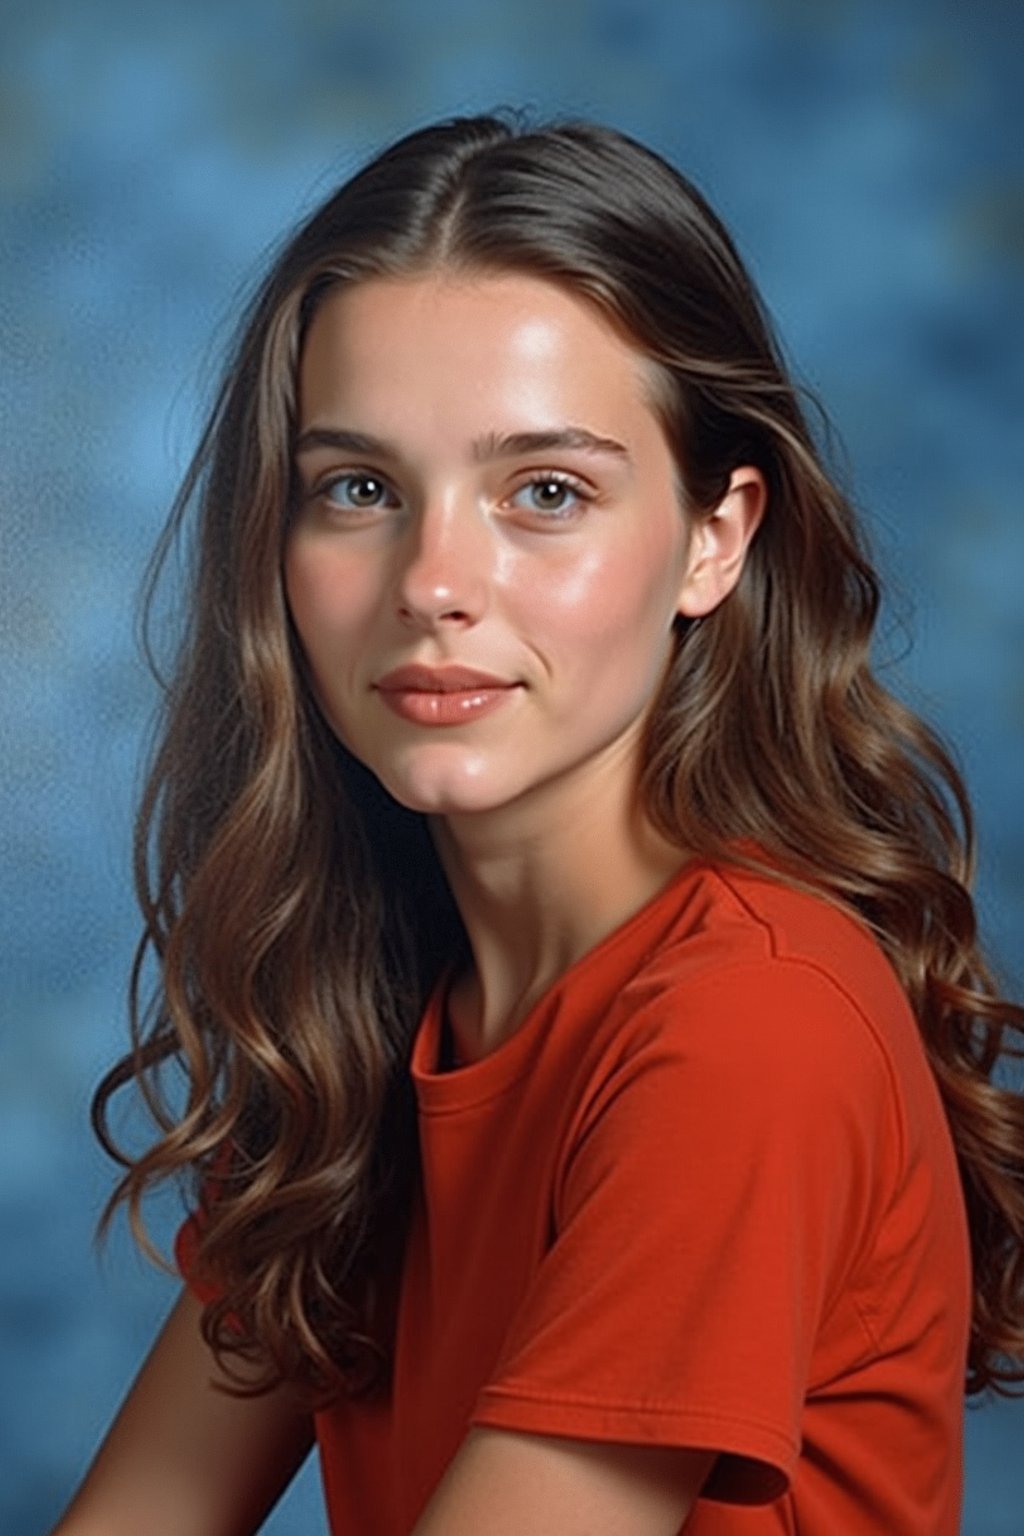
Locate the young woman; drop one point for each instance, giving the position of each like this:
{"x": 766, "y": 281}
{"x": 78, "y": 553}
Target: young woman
{"x": 589, "y": 1069}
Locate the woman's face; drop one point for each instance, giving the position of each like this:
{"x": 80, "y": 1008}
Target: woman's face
{"x": 488, "y": 548}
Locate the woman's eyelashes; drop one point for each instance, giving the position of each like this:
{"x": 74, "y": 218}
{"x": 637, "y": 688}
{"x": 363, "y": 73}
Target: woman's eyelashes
{"x": 552, "y": 496}
{"x": 549, "y": 496}
{"x": 357, "y": 491}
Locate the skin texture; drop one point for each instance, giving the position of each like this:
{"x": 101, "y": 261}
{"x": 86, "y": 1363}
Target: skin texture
{"x": 427, "y": 553}
{"x": 184, "y": 1456}
{"x": 508, "y": 1485}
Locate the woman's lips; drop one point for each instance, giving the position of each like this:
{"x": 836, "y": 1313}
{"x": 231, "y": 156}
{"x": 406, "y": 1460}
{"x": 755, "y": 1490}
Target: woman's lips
{"x": 442, "y": 695}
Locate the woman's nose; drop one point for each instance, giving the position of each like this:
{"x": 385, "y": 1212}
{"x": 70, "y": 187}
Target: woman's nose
{"x": 445, "y": 568}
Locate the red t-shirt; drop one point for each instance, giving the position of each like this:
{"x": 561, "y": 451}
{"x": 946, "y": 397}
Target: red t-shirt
{"x": 704, "y": 1196}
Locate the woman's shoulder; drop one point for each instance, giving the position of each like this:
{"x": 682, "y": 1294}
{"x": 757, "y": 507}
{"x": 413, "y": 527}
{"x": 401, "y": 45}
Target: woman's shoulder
{"x": 730, "y": 918}
{"x": 768, "y": 977}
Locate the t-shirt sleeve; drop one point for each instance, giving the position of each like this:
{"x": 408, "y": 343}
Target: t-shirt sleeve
{"x": 186, "y": 1257}
{"x": 721, "y": 1183}
{"x": 189, "y": 1237}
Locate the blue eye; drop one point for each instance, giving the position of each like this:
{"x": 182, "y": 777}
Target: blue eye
{"x": 358, "y": 491}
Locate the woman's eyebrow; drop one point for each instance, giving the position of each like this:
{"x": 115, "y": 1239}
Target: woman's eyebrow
{"x": 491, "y": 446}
{"x": 346, "y": 440}
{"x": 512, "y": 444}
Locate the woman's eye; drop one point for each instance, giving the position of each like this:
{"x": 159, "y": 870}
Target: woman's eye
{"x": 550, "y": 495}
{"x": 358, "y": 491}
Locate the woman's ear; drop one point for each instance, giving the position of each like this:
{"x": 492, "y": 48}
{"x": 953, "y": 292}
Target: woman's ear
{"x": 720, "y": 542}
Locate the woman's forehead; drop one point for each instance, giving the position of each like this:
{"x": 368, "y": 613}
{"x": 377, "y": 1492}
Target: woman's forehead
{"x": 499, "y": 352}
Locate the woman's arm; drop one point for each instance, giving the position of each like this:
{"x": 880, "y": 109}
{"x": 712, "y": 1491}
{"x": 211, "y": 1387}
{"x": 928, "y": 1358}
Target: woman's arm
{"x": 506, "y": 1483}
{"x": 184, "y": 1458}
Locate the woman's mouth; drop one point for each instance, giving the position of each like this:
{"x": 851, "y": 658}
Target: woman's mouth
{"x": 443, "y": 696}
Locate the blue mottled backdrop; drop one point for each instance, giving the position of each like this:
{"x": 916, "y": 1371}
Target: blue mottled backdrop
{"x": 869, "y": 159}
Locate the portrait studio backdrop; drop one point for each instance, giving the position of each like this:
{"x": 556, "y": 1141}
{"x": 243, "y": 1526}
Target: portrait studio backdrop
{"x": 867, "y": 157}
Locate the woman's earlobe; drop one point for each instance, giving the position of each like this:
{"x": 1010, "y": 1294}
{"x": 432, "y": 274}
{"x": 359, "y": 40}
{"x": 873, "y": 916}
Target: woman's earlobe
{"x": 720, "y": 543}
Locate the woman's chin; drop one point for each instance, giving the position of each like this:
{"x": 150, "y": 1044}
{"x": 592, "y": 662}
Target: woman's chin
{"x": 448, "y": 793}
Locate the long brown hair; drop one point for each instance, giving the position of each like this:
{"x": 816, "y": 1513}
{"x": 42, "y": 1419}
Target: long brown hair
{"x": 298, "y": 916}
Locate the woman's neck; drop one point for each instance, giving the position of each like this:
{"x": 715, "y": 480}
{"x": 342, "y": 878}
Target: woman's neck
{"x": 536, "y": 891}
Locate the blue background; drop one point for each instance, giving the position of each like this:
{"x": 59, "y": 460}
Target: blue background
{"x": 868, "y": 158}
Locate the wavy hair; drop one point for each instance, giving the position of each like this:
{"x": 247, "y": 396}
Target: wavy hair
{"x": 298, "y": 916}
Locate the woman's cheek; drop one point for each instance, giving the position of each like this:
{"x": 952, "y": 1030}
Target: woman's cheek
{"x": 567, "y": 588}
{"x": 596, "y": 592}
{"x": 326, "y": 595}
